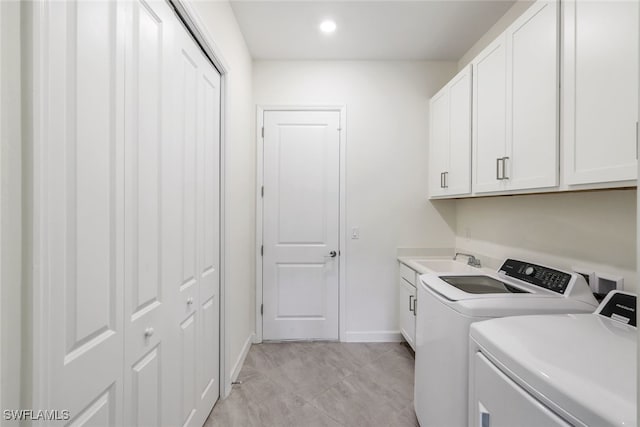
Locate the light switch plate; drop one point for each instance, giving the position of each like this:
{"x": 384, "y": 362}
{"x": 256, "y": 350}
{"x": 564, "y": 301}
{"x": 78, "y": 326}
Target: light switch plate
{"x": 355, "y": 233}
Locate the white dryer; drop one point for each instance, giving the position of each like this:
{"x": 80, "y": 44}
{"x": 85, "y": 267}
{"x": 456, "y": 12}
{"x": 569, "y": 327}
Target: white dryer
{"x": 561, "y": 370}
{"x": 447, "y": 304}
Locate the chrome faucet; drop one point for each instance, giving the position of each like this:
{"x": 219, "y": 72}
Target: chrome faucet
{"x": 473, "y": 261}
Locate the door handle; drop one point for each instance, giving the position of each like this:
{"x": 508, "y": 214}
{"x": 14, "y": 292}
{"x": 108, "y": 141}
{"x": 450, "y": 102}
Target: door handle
{"x": 410, "y": 306}
{"x": 332, "y": 254}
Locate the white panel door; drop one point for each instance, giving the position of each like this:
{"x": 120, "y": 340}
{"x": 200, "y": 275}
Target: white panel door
{"x": 208, "y": 226}
{"x": 489, "y": 116}
{"x": 600, "y": 90}
{"x": 149, "y": 375}
{"x": 301, "y": 218}
{"x": 458, "y": 177}
{"x": 439, "y": 142}
{"x": 193, "y": 235}
{"x": 532, "y": 99}
{"x": 82, "y": 172}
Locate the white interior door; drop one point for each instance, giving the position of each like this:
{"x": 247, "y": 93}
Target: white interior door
{"x": 149, "y": 376}
{"x": 301, "y": 224}
{"x": 192, "y": 247}
{"x": 126, "y": 207}
{"x": 81, "y": 179}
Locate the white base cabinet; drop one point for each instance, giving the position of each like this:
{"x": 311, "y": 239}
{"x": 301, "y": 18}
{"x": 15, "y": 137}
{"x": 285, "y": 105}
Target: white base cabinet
{"x": 125, "y": 196}
{"x": 600, "y": 91}
{"x": 407, "y": 304}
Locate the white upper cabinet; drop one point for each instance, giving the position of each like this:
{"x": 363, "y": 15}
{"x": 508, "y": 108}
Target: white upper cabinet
{"x": 489, "y": 116}
{"x": 533, "y": 103}
{"x": 600, "y": 91}
{"x": 450, "y": 142}
{"x": 438, "y": 142}
{"x": 515, "y": 99}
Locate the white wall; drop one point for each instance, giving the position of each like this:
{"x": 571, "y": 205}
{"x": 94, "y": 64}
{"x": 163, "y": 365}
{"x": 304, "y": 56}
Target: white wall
{"x": 595, "y": 230}
{"x": 507, "y": 19}
{"x": 386, "y": 178}
{"x": 10, "y": 202}
{"x": 239, "y": 180}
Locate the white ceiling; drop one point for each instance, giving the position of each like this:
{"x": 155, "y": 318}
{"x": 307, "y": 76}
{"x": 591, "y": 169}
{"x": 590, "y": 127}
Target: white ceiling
{"x": 426, "y": 29}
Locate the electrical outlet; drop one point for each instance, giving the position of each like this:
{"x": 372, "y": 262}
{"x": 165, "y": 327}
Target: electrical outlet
{"x": 604, "y": 283}
{"x": 355, "y": 233}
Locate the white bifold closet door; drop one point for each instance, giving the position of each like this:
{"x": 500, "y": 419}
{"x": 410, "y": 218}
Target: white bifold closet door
{"x": 126, "y": 215}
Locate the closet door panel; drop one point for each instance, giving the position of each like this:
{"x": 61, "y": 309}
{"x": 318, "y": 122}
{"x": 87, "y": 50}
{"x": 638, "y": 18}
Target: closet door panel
{"x": 189, "y": 166}
{"x": 148, "y": 340}
{"x": 81, "y": 170}
{"x": 209, "y": 220}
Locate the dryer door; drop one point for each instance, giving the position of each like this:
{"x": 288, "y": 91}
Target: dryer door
{"x": 497, "y": 401}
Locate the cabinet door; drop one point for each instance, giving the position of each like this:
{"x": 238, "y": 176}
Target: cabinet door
{"x": 458, "y": 177}
{"x": 438, "y": 142}
{"x": 406, "y": 304}
{"x": 489, "y": 116}
{"x": 532, "y": 99}
{"x": 600, "y": 91}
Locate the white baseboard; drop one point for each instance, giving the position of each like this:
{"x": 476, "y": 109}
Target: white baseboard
{"x": 243, "y": 355}
{"x": 373, "y": 336}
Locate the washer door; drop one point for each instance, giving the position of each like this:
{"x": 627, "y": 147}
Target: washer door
{"x": 481, "y": 285}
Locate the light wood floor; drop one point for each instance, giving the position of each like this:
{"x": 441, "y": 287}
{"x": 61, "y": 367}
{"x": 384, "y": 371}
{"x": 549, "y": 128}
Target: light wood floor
{"x": 321, "y": 384}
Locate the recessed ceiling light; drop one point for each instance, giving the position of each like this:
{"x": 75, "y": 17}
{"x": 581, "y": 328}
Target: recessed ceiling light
{"x": 328, "y": 26}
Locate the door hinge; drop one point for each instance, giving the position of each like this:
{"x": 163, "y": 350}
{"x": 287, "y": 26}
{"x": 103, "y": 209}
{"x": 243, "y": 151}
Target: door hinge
{"x": 263, "y": 132}
{"x": 261, "y": 309}
{"x": 262, "y": 250}
{"x": 262, "y": 191}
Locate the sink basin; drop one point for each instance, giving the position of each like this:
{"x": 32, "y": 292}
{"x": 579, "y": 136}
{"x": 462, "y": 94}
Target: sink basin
{"x": 446, "y": 266}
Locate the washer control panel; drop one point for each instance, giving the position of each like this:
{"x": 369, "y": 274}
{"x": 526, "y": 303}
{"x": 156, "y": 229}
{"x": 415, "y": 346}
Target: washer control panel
{"x": 544, "y": 277}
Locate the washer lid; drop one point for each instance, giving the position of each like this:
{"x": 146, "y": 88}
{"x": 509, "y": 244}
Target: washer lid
{"x": 481, "y": 284}
{"x": 460, "y": 287}
{"x": 583, "y": 365}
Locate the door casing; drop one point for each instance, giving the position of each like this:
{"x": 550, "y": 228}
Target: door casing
{"x": 342, "y": 238}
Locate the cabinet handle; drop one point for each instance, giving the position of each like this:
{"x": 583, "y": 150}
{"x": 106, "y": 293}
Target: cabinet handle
{"x": 148, "y": 333}
{"x": 446, "y": 179}
{"x": 410, "y": 298}
{"x": 441, "y": 179}
{"x": 637, "y": 141}
{"x": 504, "y": 168}
{"x": 190, "y": 301}
{"x": 415, "y": 306}
{"x": 498, "y": 168}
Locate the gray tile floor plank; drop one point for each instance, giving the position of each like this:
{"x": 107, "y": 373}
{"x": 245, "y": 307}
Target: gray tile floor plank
{"x": 324, "y": 384}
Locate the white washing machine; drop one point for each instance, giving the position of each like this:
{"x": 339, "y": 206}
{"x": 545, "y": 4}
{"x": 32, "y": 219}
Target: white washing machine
{"x": 561, "y": 370}
{"x": 447, "y": 304}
